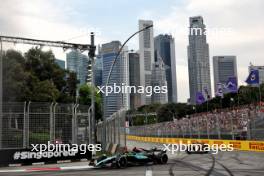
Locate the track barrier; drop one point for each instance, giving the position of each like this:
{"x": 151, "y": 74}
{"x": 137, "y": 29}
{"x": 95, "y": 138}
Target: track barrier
{"x": 255, "y": 146}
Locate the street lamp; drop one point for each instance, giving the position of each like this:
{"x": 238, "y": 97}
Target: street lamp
{"x": 109, "y": 74}
{"x": 91, "y": 55}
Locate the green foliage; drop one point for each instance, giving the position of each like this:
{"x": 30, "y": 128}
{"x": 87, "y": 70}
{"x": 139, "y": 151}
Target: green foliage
{"x": 149, "y": 108}
{"x": 35, "y": 76}
{"x": 85, "y": 92}
{"x": 45, "y": 91}
{"x": 39, "y": 138}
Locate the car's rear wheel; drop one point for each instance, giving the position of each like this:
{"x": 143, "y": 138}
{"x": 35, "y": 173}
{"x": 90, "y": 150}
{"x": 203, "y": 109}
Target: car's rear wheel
{"x": 121, "y": 162}
{"x": 163, "y": 159}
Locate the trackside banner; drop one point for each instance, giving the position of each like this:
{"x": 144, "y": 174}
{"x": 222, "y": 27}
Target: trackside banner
{"x": 256, "y": 146}
{"x": 27, "y": 156}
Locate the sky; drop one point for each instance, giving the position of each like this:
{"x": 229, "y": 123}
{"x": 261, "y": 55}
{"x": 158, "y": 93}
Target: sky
{"x": 235, "y": 27}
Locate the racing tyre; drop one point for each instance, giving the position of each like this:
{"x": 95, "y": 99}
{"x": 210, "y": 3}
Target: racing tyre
{"x": 163, "y": 159}
{"x": 121, "y": 162}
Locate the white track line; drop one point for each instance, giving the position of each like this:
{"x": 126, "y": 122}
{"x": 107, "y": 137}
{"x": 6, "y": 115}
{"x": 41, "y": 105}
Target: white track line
{"x": 19, "y": 170}
{"x": 148, "y": 172}
{"x": 76, "y": 167}
{"x": 48, "y": 169}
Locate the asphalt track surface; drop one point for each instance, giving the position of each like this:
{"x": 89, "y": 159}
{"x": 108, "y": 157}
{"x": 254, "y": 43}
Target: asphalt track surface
{"x": 180, "y": 164}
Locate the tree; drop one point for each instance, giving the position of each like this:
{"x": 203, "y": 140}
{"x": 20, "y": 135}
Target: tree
{"x": 36, "y": 77}
{"x": 85, "y": 98}
{"x": 68, "y": 92}
{"x": 171, "y": 111}
{"x": 14, "y": 76}
{"x": 45, "y": 91}
{"x": 149, "y": 108}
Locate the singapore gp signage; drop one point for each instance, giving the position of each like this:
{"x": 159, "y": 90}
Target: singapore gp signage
{"x": 27, "y": 156}
{"x": 24, "y": 155}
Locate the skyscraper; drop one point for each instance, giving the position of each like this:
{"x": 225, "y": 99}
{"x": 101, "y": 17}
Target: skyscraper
{"x": 98, "y": 68}
{"x": 165, "y": 48}
{"x": 114, "y": 101}
{"x": 198, "y": 60}
{"x": 60, "y": 63}
{"x": 159, "y": 79}
{"x": 78, "y": 63}
{"x": 261, "y": 72}
{"x": 146, "y": 53}
{"x": 224, "y": 68}
{"x": 134, "y": 79}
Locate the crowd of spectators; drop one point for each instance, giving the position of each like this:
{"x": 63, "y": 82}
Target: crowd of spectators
{"x": 234, "y": 120}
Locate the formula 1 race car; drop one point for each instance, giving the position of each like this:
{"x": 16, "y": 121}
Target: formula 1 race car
{"x": 138, "y": 156}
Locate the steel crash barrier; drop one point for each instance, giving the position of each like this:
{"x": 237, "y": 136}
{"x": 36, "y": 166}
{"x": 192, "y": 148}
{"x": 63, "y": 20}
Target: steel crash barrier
{"x": 115, "y": 131}
{"x": 256, "y": 146}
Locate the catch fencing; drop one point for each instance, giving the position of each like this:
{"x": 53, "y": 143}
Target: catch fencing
{"x": 26, "y": 123}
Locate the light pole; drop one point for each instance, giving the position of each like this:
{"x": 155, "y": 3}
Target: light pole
{"x": 91, "y": 55}
{"x": 108, "y": 77}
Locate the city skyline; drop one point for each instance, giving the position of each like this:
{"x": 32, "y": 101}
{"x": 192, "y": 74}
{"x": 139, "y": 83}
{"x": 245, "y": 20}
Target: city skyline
{"x": 58, "y": 22}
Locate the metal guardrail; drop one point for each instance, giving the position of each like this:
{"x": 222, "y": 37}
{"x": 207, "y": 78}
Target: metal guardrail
{"x": 115, "y": 129}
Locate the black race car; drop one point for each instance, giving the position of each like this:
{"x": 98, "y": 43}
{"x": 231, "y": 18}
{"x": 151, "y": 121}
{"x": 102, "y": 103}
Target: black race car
{"x": 138, "y": 156}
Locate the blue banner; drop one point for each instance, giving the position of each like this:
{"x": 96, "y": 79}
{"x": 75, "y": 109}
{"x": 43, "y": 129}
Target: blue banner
{"x": 231, "y": 85}
{"x": 253, "y": 77}
{"x": 200, "y": 98}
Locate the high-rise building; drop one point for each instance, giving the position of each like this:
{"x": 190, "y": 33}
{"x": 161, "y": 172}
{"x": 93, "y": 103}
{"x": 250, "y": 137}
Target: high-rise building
{"x": 146, "y": 53}
{"x": 60, "y": 63}
{"x": 134, "y": 79}
{"x": 198, "y": 60}
{"x": 260, "y": 69}
{"x": 119, "y": 76}
{"x": 165, "y": 48}
{"x": 78, "y": 63}
{"x": 224, "y": 68}
{"x": 159, "y": 79}
{"x": 98, "y": 69}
